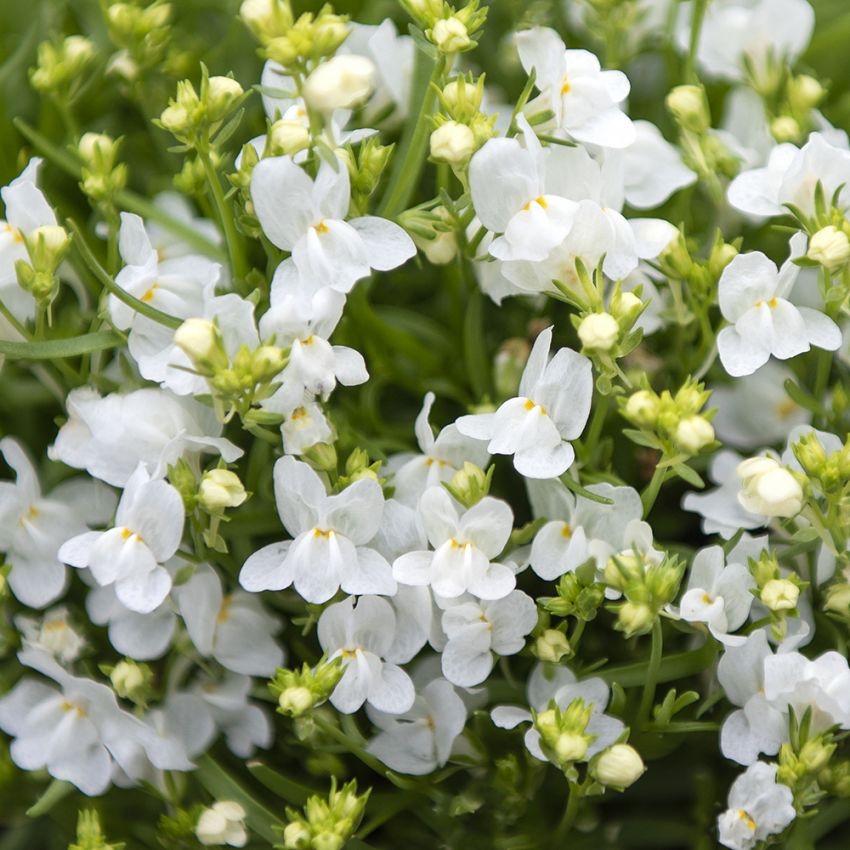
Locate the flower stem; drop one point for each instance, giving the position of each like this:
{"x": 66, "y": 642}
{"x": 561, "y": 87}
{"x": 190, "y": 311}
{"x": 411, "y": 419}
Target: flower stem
{"x": 696, "y": 27}
{"x": 648, "y": 696}
{"x": 650, "y": 493}
{"x": 235, "y": 247}
{"x": 570, "y": 812}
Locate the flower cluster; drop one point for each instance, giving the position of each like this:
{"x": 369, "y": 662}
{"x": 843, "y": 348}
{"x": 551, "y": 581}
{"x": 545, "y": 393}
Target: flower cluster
{"x": 394, "y": 412}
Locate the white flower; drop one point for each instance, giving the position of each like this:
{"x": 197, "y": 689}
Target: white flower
{"x": 563, "y": 688}
{"x": 768, "y": 488}
{"x": 572, "y": 84}
{"x": 755, "y": 410}
{"x": 179, "y": 287}
{"x": 475, "y": 630}
{"x": 222, "y": 823}
{"x": 736, "y": 32}
{"x": 303, "y": 426}
{"x": 759, "y": 806}
{"x": 26, "y": 210}
{"x": 720, "y": 509}
{"x": 440, "y": 457}
{"x": 507, "y": 181}
{"x": 790, "y": 177}
{"x": 420, "y": 740}
{"x": 78, "y": 733}
{"x": 464, "y": 548}
{"x": 245, "y": 726}
{"x": 148, "y": 528}
{"x": 342, "y": 82}
{"x": 139, "y": 636}
{"x": 766, "y": 686}
{"x": 753, "y": 297}
{"x": 234, "y": 629}
{"x": 169, "y": 244}
{"x": 331, "y": 532}
{"x": 314, "y": 366}
{"x": 362, "y": 635}
{"x": 33, "y": 527}
{"x": 717, "y": 593}
{"x": 53, "y": 634}
{"x": 306, "y": 217}
{"x": 551, "y": 409}
{"x": 578, "y": 528}
{"x": 110, "y": 436}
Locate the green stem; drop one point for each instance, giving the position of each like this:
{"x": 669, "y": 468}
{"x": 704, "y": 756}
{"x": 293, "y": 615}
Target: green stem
{"x": 232, "y": 237}
{"x": 650, "y": 493}
{"x": 696, "y": 28}
{"x": 570, "y": 812}
{"x": 600, "y": 413}
{"x": 648, "y": 696}
{"x": 406, "y": 172}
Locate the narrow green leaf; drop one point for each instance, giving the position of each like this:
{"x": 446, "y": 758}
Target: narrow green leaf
{"x": 287, "y": 789}
{"x": 690, "y": 475}
{"x": 56, "y": 791}
{"x": 58, "y": 349}
{"x": 224, "y": 787}
{"x": 642, "y": 438}
{"x": 672, "y": 668}
{"x": 122, "y": 295}
{"x": 575, "y": 487}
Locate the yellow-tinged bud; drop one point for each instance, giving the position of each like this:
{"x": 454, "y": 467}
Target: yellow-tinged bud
{"x": 688, "y": 105}
{"x": 693, "y": 434}
{"x": 343, "y": 82}
{"x": 780, "y": 594}
{"x": 450, "y": 35}
{"x": 599, "y": 332}
{"x": 642, "y": 408}
{"x": 830, "y": 247}
{"x": 220, "y": 489}
{"x": 618, "y": 767}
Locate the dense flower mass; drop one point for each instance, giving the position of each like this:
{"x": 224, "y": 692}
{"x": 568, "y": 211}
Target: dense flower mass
{"x": 417, "y": 433}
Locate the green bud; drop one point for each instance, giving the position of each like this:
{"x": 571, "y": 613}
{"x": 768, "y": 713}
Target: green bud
{"x": 132, "y": 681}
{"x": 552, "y": 646}
{"x": 470, "y": 484}
{"x": 689, "y": 107}
{"x": 300, "y": 691}
{"x": 90, "y": 835}
{"x": 266, "y": 19}
{"x": 201, "y": 341}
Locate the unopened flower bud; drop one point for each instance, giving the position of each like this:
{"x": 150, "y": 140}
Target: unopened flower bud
{"x": 287, "y": 137}
{"x": 452, "y": 143}
{"x": 635, "y": 618}
{"x": 552, "y": 646}
{"x": 693, "y": 434}
{"x": 220, "y": 489}
{"x": 222, "y": 95}
{"x": 222, "y": 824}
{"x": 688, "y": 106}
{"x": 642, "y": 408}
{"x": 599, "y": 332}
{"x": 295, "y": 701}
{"x": 266, "y": 19}
{"x": 838, "y": 600}
{"x": 784, "y": 129}
{"x": 618, "y": 767}
{"x": 450, "y": 35}
{"x": 343, "y": 82}
{"x": 830, "y": 247}
{"x": 769, "y": 488}
{"x": 780, "y": 594}
{"x": 570, "y": 746}
{"x": 131, "y": 680}
{"x": 266, "y": 362}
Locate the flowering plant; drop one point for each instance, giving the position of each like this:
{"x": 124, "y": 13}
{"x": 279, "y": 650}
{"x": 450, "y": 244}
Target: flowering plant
{"x": 374, "y": 386}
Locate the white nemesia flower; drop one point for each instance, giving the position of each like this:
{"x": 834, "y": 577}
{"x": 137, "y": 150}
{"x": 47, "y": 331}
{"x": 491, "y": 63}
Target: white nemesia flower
{"x": 147, "y": 531}
{"x": 420, "y": 740}
{"x": 234, "y": 629}
{"x": 475, "y": 630}
{"x": 563, "y": 688}
{"x": 551, "y": 409}
{"x": 753, "y": 296}
{"x": 759, "y": 806}
{"x": 572, "y": 84}
{"x": 307, "y": 218}
{"x": 222, "y": 824}
{"x": 79, "y": 733}
{"x": 109, "y": 436}
{"x": 768, "y": 488}
{"x": 362, "y": 635}
{"x": 464, "y": 548}
{"x": 330, "y": 534}
{"x": 440, "y": 457}
{"x": 53, "y": 634}
{"x": 33, "y": 527}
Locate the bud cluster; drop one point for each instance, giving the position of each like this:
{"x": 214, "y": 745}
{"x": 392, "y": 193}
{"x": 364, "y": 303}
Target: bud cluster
{"x": 460, "y": 127}
{"x": 325, "y": 824}
{"x": 674, "y": 424}
{"x": 102, "y": 174}
{"x": 450, "y": 30}
{"x": 142, "y": 34}
{"x": 60, "y": 67}
{"x": 90, "y": 834}
{"x": 300, "y": 691}
{"x": 46, "y": 246}
{"x": 778, "y": 590}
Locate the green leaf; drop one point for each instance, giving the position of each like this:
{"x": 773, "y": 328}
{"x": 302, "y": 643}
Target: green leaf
{"x": 122, "y": 295}
{"x": 58, "y": 349}
{"x": 223, "y": 786}
{"x": 690, "y": 475}
{"x": 672, "y": 667}
{"x": 575, "y": 487}
{"x": 56, "y": 791}
{"x": 475, "y": 355}
{"x": 642, "y": 438}
{"x": 287, "y": 789}
{"x": 801, "y": 397}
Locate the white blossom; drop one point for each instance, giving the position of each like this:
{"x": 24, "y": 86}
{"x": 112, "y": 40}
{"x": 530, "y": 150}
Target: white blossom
{"x": 551, "y": 409}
